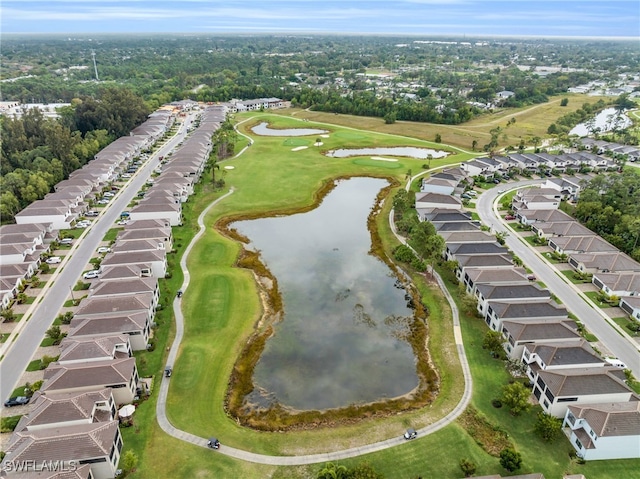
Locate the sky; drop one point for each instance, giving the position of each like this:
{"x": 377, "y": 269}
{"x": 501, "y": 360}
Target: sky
{"x": 488, "y": 18}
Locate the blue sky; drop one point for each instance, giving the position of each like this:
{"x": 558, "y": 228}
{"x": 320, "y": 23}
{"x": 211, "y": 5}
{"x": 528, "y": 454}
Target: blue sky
{"x": 545, "y": 18}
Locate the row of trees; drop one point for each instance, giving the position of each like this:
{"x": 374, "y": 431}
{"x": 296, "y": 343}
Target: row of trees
{"x": 37, "y": 152}
{"x": 609, "y": 205}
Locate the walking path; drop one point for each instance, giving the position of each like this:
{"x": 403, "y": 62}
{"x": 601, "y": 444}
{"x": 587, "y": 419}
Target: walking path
{"x": 167, "y": 427}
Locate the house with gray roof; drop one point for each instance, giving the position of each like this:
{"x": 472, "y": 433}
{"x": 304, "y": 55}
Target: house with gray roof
{"x": 437, "y": 200}
{"x": 557, "y": 389}
{"x": 154, "y": 262}
{"x": 631, "y": 306}
{"x": 474, "y": 276}
{"x": 494, "y": 261}
{"x": 603, "y": 262}
{"x": 559, "y": 355}
{"x": 580, "y": 244}
{"x": 617, "y": 284}
{"x": 530, "y": 216}
{"x": 452, "y": 250}
{"x": 438, "y": 215}
{"x": 519, "y": 333}
{"x": 145, "y": 287}
{"x": 97, "y": 445}
{"x": 467, "y": 237}
{"x": 562, "y": 228}
{"x": 107, "y": 305}
{"x": 443, "y": 226}
{"x": 499, "y": 311}
{"x": 119, "y": 272}
{"x": 512, "y": 293}
{"x": 600, "y": 431}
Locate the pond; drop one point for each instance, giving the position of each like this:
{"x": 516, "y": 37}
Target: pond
{"x": 604, "y": 121}
{"x": 346, "y": 317}
{"x": 409, "y": 151}
{"x": 264, "y": 130}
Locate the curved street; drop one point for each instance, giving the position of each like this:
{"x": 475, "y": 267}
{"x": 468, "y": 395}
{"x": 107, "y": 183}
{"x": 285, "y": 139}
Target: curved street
{"x": 620, "y": 344}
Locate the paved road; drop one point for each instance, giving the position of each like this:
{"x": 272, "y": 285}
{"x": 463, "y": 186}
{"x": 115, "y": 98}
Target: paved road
{"x": 167, "y": 427}
{"x": 58, "y": 289}
{"x": 593, "y": 318}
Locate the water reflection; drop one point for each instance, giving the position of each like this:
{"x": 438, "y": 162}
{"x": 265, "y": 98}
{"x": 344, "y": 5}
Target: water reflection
{"x": 342, "y": 337}
{"x": 264, "y": 130}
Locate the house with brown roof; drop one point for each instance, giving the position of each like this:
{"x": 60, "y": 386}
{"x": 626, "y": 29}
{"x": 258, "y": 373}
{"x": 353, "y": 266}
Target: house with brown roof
{"x": 127, "y": 287}
{"x": 97, "y": 445}
{"x": 165, "y": 210}
{"x": 136, "y": 326}
{"x": 438, "y": 200}
{"x": 561, "y": 228}
{"x": 631, "y": 306}
{"x": 157, "y": 234}
{"x": 608, "y": 430}
{"x": 467, "y": 237}
{"x": 530, "y": 216}
{"x": 519, "y": 333}
{"x": 499, "y": 311}
{"x": 502, "y": 262}
{"x": 137, "y": 245}
{"x": 118, "y": 272}
{"x": 559, "y": 355}
{"x": 106, "y": 305}
{"x": 77, "y": 472}
{"x": 557, "y": 389}
{"x": 52, "y": 410}
{"x": 119, "y": 375}
{"x": 94, "y": 348}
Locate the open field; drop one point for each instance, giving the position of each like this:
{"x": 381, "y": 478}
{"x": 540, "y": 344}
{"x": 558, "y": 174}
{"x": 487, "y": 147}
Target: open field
{"x": 531, "y": 121}
{"x": 221, "y": 308}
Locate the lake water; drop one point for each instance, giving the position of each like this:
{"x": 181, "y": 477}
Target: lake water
{"x": 421, "y": 153}
{"x": 605, "y": 121}
{"x": 340, "y": 341}
{"x": 264, "y": 130}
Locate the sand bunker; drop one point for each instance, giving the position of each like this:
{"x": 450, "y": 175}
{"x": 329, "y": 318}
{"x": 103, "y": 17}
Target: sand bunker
{"x": 318, "y": 143}
{"x": 379, "y": 158}
{"x": 229, "y": 167}
{"x": 298, "y": 148}
{"x": 324, "y": 136}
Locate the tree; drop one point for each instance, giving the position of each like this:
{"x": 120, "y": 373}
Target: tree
{"x": 516, "y": 396}
{"x": 564, "y": 102}
{"x": 548, "y": 427}
{"x": 55, "y": 334}
{"x": 474, "y": 145}
{"x": 468, "y": 468}
{"x": 493, "y": 341}
{"x": 129, "y": 461}
{"x": 8, "y": 315}
{"x": 332, "y": 471}
{"x": 438, "y": 138}
{"x": 510, "y": 459}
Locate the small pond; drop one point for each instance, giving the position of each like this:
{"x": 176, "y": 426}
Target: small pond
{"x": 345, "y": 315}
{"x": 264, "y": 130}
{"x": 604, "y": 121}
{"x": 409, "y": 151}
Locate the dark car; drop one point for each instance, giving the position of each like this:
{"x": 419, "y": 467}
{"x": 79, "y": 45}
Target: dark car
{"x": 509, "y": 217}
{"x": 410, "y": 434}
{"x": 167, "y": 372}
{"x": 16, "y": 401}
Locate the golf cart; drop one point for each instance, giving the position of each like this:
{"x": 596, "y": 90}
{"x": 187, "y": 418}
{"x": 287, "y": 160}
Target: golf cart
{"x": 167, "y": 372}
{"x": 410, "y": 434}
{"x": 213, "y": 443}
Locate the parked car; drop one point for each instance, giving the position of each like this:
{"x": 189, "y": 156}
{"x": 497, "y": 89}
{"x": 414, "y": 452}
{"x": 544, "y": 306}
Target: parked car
{"x": 91, "y": 274}
{"x": 466, "y": 196}
{"x": 500, "y": 192}
{"x": 53, "y": 260}
{"x": 66, "y": 241}
{"x": 410, "y": 434}
{"x": 16, "y": 401}
{"x": 108, "y": 194}
{"x": 509, "y": 217}
{"x": 496, "y": 181}
{"x": 126, "y": 175}
{"x": 104, "y": 249}
{"x": 92, "y": 213}
{"x": 103, "y": 202}
{"x": 531, "y": 277}
{"x": 122, "y": 222}
{"x": 472, "y": 193}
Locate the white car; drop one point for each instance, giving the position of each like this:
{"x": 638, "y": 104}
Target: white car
{"x": 126, "y": 175}
{"x": 108, "y": 194}
{"x": 104, "y": 250}
{"x": 53, "y": 260}
{"x": 500, "y": 192}
{"x": 103, "y": 202}
{"x": 122, "y": 222}
{"x": 91, "y": 274}
{"x": 67, "y": 241}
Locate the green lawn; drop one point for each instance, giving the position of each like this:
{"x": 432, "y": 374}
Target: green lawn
{"x": 572, "y": 277}
{"x": 596, "y": 297}
{"x": 221, "y": 307}
{"x": 34, "y": 365}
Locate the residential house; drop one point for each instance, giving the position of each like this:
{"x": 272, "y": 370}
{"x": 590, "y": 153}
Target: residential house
{"x": 522, "y": 293}
{"x": 153, "y": 262}
{"x": 142, "y": 288}
{"x": 97, "y": 445}
{"x": 563, "y": 228}
{"x": 609, "y": 430}
{"x": 107, "y": 305}
{"x": 531, "y": 216}
{"x": 603, "y": 262}
{"x": 499, "y": 311}
{"x": 474, "y": 276}
{"x": 136, "y": 326}
{"x": 502, "y": 262}
{"x": 452, "y": 250}
{"x": 97, "y": 348}
{"x": 168, "y": 209}
{"x": 559, "y": 355}
{"x": 437, "y": 200}
{"x": 119, "y": 375}
{"x": 580, "y": 244}
{"x": 617, "y": 284}
{"x": 519, "y": 333}
{"x": 557, "y": 389}
{"x": 631, "y": 306}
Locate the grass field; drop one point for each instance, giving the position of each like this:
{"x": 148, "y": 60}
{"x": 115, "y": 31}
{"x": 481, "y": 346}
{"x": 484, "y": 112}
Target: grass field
{"x": 221, "y": 307}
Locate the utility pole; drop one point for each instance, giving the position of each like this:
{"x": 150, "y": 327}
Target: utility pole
{"x": 95, "y": 67}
